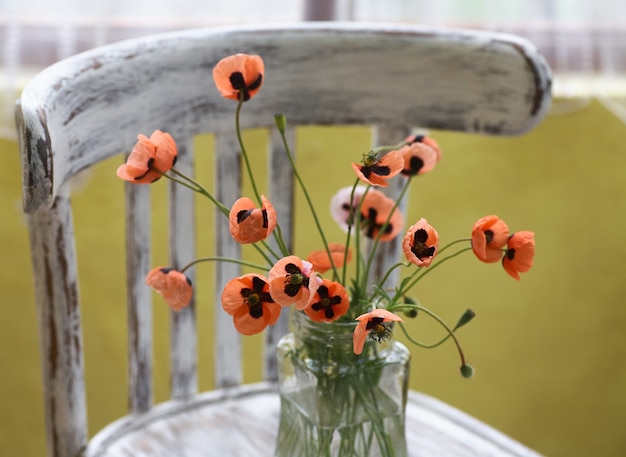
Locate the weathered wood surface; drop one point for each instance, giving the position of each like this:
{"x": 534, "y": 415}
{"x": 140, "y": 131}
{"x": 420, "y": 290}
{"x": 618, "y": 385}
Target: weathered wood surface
{"x": 244, "y": 423}
{"x": 92, "y": 106}
{"x": 316, "y": 73}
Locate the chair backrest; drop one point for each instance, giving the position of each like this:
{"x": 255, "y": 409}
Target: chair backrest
{"x": 92, "y": 106}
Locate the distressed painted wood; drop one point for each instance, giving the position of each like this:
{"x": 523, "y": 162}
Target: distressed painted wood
{"x": 244, "y": 423}
{"x": 228, "y": 369}
{"x": 182, "y": 218}
{"x": 92, "y": 106}
{"x": 281, "y": 193}
{"x": 139, "y": 298}
{"x": 317, "y": 73}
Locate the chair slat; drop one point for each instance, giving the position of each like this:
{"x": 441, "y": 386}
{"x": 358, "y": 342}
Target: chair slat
{"x": 228, "y": 366}
{"x": 56, "y": 290}
{"x": 388, "y": 253}
{"x": 281, "y": 191}
{"x": 183, "y": 340}
{"x": 139, "y": 297}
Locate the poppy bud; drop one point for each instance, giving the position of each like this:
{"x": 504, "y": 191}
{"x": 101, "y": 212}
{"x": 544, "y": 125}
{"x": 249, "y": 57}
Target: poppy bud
{"x": 411, "y": 313}
{"x": 467, "y": 371}
{"x": 467, "y": 316}
{"x": 281, "y": 122}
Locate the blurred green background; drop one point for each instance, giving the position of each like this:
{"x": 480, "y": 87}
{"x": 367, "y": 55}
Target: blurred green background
{"x": 549, "y": 351}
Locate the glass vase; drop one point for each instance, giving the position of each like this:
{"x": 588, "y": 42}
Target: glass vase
{"x": 336, "y": 403}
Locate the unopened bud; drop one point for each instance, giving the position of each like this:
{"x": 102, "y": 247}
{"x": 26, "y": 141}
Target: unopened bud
{"x": 281, "y": 122}
{"x": 467, "y": 316}
{"x": 467, "y": 371}
{"x": 411, "y": 313}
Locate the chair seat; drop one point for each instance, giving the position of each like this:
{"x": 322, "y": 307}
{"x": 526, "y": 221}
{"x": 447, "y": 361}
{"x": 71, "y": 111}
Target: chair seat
{"x": 243, "y": 421}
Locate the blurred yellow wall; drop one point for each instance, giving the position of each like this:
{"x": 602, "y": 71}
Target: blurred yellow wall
{"x": 550, "y": 350}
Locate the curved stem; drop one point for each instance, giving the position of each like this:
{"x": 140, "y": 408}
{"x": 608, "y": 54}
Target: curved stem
{"x": 194, "y": 185}
{"x": 223, "y": 259}
{"x": 444, "y": 325}
{"x": 419, "y": 274}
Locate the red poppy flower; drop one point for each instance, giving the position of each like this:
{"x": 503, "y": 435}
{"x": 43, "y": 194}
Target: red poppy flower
{"x": 489, "y": 236}
{"x": 149, "y": 155}
{"x": 174, "y": 286}
{"x": 420, "y": 154}
{"x": 293, "y": 281}
{"x": 372, "y": 324}
{"x": 375, "y": 211}
{"x": 249, "y": 224}
{"x": 322, "y": 262}
{"x": 248, "y": 300}
{"x": 519, "y": 254}
{"x": 341, "y": 209}
{"x": 239, "y": 75}
{"x": 376, "y": 170}
{"x": 329, "y": 303}
{"x": 420, "y": 244}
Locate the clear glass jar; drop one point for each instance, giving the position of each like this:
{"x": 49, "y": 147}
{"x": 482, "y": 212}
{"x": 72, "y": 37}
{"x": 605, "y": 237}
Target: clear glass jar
{"x": 336, "y": 403}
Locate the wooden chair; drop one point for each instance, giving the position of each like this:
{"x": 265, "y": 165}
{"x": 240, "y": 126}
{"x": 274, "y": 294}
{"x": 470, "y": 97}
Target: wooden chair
{"x": 92, "y": 106}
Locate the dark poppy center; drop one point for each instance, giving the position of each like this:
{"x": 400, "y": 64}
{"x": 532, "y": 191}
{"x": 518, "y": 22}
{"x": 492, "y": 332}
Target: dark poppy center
{"x": 326, "y": 302}
{"x": 489, "y": 235}
{"x": 378, "y": 330}
{"x": 419, "y": 247}
{"x": 255, "y": 297}
{"x": 238, "y": 82}
{"x": 510, "y": 254}
{"x": 371, "y": 226}
{"x": 294, "y": 280}
{"x": 415, "y": 165}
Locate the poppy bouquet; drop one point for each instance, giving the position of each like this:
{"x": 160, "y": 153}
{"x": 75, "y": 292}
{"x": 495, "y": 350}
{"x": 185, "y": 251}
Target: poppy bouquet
{"x": 317, "y": 285}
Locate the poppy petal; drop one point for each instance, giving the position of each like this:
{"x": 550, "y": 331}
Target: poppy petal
{"x": 239, "y": 75}
{"x": 520, "y": 254}
{"x": 489, "y": 236}
{"x": 174, "y": 286}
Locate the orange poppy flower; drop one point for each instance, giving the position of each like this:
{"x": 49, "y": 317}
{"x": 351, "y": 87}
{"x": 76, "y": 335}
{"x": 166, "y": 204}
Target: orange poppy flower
{"x": 248, "y": 300}
{"x": 330, "y": 302}
{"x": 420, "y": 244}
{"x": 372, "y": 324}
{"x": 293, "y": 281}
{"x": 239, "y": 75}
{"x": 420, "y": 154}
{"x": 174, "y": 286}
{"x": 249, "y": 224}
{"x": 341, "y": 209}
{"x": 375, "y": 210}
{"x": 149, "y": 155}
{"x": 489, "y": 236}
{"x": 376, "y": 170}
{"x": 322, "y": 262}
{"x": 519, "y": 254}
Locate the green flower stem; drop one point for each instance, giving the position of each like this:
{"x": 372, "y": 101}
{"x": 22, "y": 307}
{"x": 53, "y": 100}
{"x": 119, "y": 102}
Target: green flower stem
{"x": 244, "y": 153}
{"x": 194, "y": 185}
{"x": 197, "y": 187}
{"x": 452, "y": 243}
{"x": 390, "y": 270}
{"x": 308, "y": 199}
{"x": 372, "y": 253}
{"x": 444, "y": 325}
{"x": 224, "y": 259}
{"x": 278, "y": 236}
{"x": 420, "y": 273}
{"x": 420, "y": 343}
{"x": 353, "y": 221}
{"x": 388, "y": 148}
